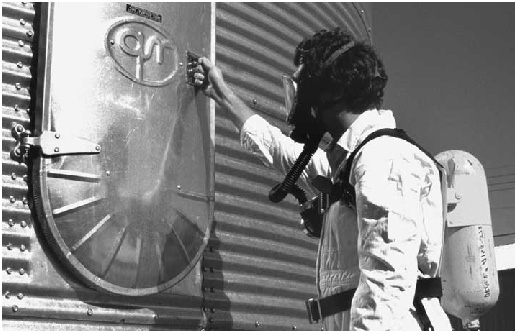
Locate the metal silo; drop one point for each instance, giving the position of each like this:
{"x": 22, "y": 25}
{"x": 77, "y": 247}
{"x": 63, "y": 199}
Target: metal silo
{"x": 257, "y": 266}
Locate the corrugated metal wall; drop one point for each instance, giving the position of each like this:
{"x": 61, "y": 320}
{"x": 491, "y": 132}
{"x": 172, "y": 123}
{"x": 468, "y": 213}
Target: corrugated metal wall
{"x": 37, "y": 292}
{"x": 260, "y": 267}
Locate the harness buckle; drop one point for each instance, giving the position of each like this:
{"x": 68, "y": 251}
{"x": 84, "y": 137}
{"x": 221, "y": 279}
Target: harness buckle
{"x": 314, "y": 310}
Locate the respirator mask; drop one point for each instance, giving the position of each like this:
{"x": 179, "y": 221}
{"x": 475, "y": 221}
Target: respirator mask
{"x": 302, "y": 101}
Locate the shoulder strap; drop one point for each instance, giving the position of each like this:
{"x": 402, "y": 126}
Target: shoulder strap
{"x": 344, "y": 187}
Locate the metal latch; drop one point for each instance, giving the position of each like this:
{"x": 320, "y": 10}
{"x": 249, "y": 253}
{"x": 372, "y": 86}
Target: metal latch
{"x": 192, "y": 63}
{"x": 51, "y": 144}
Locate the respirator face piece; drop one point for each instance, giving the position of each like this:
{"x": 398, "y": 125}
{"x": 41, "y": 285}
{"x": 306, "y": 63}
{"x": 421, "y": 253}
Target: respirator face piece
{"x": 299, "y": 101}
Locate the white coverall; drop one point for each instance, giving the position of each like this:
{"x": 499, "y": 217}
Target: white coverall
{"x": 397, "y": 227}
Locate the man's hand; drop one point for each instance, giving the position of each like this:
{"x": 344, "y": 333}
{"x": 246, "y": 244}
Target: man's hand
{"x": 210, "y": 79}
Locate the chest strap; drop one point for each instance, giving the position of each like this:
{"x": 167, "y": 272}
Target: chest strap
{"x": 320, "y": 308}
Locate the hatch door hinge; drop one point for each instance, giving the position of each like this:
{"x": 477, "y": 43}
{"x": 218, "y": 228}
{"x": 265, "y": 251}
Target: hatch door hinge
{"x": 51, "y": 144}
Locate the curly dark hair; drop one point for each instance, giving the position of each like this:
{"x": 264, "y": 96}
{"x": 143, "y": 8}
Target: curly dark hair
{"x": 357, "y": 77}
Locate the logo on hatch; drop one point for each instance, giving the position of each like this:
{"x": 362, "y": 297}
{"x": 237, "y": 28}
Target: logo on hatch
{"x": 142, "y": 52}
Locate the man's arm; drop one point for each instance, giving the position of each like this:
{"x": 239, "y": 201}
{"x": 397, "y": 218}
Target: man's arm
{"x": 388, "y": 188}
{"x": 217, "y": 89}
{"x": 258, "y": 136}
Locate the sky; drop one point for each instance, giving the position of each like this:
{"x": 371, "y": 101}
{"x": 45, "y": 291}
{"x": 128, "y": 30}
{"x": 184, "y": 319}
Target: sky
{"x": 451, "y": 69}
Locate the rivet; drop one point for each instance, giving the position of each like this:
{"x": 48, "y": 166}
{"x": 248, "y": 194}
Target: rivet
{"x": 20, "y": 295}
{"x": 22, "y": 271}
{"x": 458, "y": 196}
{"x": 12, "y": 199}
{"x": 204, "y": 289}
{"x": 10, "y": 222}
{"x": 25, "y": 201}
{"x": 15, "y": 308}
{"x": 19, "y": 128}
{"x": 30, "y": 33}
{"x": 294, "y": 327}
{"x": 254, "y": 101}
{"x": 25, "y": 178}
{"x": 205, "y": 309}
{"x": 23, "y": 224}
{"x": 321, "y": 328}
{"x": 204, "y": 269}
{"x": 211, "y": 320}
{"x": 108, "y": 172}
{"x": 181, "y": 64}
{"x": 213, "y": 310}
{"x": 9, "y": 271}
{"x": 7, "y": 295}
{"x": 22, "y": 248}
{"x": 9, "y": 246}
{"x": 98, "y": 148}
{"x": 257, "y": 324}
{"x": 21, "y": 43}
{"x": 19, "y": 64}
{"x": 22, "y": 22}
{"x": 89, "y": 312}
{"x": 56, "y": 149}
{"x": 13, "y": 176}
{"x": 18, "y": 86}
{"x": 16, "y": 107}
{"x": 112, "y": 42}
{"x": 57, "y": 135}
{"x": 179, "y": 187}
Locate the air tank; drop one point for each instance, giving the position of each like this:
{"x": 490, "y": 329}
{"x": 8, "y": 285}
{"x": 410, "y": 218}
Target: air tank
{"x": 468, "y": 270}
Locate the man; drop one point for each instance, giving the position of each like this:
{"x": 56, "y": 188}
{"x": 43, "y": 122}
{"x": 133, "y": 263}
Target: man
{"x": 394, "y": 232}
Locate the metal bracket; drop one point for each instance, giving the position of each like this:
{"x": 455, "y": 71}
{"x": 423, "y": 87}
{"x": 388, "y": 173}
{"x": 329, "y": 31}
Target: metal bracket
{"x": 51, "y": 144}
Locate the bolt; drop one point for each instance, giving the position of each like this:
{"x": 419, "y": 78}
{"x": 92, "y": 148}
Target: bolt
{"x": 25, "y": 201}
{"x": 112, "y": 42}
{"x": 12, "y": 199}
{"x": 89, "y": 312}
{"x": 21, "y": 43}
{"x": 13, "y": 176}
{"x": 19, "y": 64}
{"x": 98, "y": 148}
{"x": 57, "y": 135}
{"x": 181, "y": 64}
{"x": 23, "y": 224}
{"x": 18, "y": 86}
{"x": 15, "y": 308}
{"x": 9, "y": 271}
{"x": 10, "y": 222}
{"x": 56, "y": 149}
{"x": 205, "y": 309}
{"x": 257, "y": 324}
{"x": 213, "y": 310}
{"x": 9, "y": 246}
{"x": 108, "y": 172}
{"x": 20, "y": 295}
{"x": 294, "y": 327}
{"x": 6, "y": 295}
{"x": 16, "y": 107}
{"x": 22, "y": 22}
{"x": 22, "y": 271}
{"x": 30, "y": 33}
{"x": 22, "y": 248}
{"x": 321, "y": 328}
{"x": 254, "y": 101}
{"x": 19, "y": 128}
{"x": 179, "y": 187}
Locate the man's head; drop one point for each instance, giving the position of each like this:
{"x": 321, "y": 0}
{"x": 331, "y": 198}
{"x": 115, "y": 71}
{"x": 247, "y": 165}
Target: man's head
{"x": 339, "y": 69}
